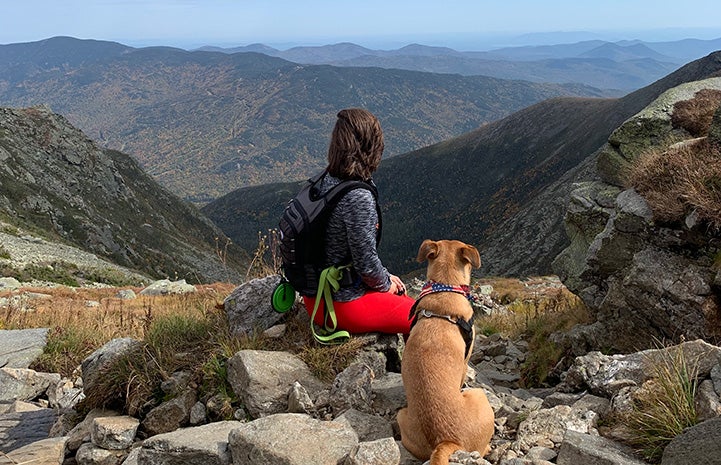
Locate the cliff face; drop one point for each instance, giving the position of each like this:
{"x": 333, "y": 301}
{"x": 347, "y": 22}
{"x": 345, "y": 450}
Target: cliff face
{"x": 648, "y": 274}
{"x": 55, "y": 181}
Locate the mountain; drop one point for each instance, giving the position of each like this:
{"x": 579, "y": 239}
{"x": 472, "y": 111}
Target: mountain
{"x": 56, "y": 182}
{"x": 603, "y": 73}
{"x": 617, "y": 52}
{"x": 484, "y": 187}
{"x": 625, "y": 65}
{"x": 206, "y": 123}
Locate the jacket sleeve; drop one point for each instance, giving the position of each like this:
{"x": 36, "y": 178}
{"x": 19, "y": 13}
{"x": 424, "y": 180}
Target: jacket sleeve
{"x": 361, "y": 221}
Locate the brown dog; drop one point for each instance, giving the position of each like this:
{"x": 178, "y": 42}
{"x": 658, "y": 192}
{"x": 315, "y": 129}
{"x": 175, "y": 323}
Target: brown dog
{"x": 440, "y": 417}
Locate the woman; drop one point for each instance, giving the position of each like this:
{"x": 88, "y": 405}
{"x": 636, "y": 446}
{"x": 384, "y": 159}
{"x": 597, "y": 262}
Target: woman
{"x": 377, "y": 300}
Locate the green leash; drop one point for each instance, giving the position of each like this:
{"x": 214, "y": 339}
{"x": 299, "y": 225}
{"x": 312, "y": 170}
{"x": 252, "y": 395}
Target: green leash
{"x": 328, "y": 283}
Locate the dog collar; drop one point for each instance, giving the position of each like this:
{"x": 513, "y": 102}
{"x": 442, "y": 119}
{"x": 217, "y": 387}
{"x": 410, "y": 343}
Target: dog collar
{"x": 432, "y": 286}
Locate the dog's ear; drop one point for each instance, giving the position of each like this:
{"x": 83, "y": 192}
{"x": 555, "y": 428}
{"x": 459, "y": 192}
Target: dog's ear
{"x": 471, "y": 255}
{"x": 428, "y": 250}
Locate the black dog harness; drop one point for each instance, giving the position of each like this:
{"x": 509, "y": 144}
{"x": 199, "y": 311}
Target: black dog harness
{"x": 466, "y": 327}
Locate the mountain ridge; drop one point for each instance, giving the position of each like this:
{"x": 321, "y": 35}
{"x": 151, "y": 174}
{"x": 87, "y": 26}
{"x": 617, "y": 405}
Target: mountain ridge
{"x": 205, "y": 123}
{"x": 487, "y": 178}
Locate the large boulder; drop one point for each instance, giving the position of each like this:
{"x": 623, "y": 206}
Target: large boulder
{"x": 263, "y": 379}
{"x": 202, "y": 445}
{"x": 103, "y": 358}
{"x": 249, "y": 307}
{"x": 291, "y": 439}
{"x": 700, "y": 445}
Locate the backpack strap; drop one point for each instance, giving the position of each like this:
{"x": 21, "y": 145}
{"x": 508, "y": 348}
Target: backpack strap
{"x": 328, "y": 283}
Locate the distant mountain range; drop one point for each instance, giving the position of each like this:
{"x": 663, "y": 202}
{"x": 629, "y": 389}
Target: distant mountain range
{"x": 205, "y": 123}
{"x": 624, "y": 65}
{"x": 502, "y": 187}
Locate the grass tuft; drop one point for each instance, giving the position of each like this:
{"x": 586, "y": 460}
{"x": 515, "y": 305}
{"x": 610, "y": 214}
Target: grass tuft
{"x": 665, "y": 405}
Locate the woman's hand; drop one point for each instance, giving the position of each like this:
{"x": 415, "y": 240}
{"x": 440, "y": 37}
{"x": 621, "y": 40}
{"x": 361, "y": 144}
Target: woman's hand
{"x": 397, "y": 286}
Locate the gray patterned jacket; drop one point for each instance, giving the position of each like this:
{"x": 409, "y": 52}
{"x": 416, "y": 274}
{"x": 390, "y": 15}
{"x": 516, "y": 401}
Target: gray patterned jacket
{"x": 351, "y": 238}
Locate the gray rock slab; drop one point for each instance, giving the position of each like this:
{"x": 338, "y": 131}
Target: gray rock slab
{"x": 200, "y": 445}
{"x": 44, "y": 452}
{"x": 20, "y": 347}
{"x": 291, "y": 439}
{"x": 19, "y": 429}
{"x": 263, "y": 379}
{"x": 578, "y": 448}
{"x": 697, "y": 445}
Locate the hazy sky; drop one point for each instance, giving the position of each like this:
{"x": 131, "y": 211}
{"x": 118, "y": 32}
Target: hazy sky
{"x": 466, "y": 24}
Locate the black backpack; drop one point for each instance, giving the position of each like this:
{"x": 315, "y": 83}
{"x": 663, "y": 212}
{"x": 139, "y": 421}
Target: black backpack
{"x": 302, "y": 232}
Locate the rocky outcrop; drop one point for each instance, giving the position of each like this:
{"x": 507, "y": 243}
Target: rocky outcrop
{"x": 643, "y": 281}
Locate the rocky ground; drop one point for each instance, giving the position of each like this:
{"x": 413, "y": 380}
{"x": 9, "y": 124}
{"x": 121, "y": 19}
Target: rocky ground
{"x": 289, "y": 416}
{"x": 20, "y": 249}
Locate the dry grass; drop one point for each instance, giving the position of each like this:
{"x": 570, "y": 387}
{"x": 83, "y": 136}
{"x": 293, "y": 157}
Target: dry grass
{"x": 695, "y": 115}
{"x": 679, "y": 181}
{"x": 178, "y": 332}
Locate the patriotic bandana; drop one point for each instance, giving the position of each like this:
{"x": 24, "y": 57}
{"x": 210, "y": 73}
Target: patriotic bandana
{"x": 431, "y": 286}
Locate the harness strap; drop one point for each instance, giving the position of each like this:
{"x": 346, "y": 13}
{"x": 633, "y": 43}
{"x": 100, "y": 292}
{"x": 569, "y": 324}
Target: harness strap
{"x": 328, "y": 283}
{"x": 466, "y": 327}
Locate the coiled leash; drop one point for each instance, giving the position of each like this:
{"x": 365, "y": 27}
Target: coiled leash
{"x": 328, "y": 283}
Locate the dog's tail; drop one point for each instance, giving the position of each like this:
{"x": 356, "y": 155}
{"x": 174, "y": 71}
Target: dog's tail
{"x": 443, "y": 451}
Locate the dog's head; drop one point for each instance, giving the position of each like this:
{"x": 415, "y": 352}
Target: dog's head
{"x": 449, "y": 262}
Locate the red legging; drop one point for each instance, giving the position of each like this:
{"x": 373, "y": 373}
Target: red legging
{"x": 373, "y": 312}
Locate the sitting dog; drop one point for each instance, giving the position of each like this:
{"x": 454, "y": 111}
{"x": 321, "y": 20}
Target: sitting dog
{"x": 441, "y": 417}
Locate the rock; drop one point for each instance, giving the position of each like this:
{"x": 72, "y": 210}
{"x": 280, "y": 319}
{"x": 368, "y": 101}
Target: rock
{"x": 547, "y": 427}
{"x": 44, "y": 452}
{"x": 132, "y": 458}
{"x": 20, "y": 347}
{"x": 81, "y": 432}
{"x": 648, "y": 128}
{"x": 114, "y": 433}
{"x": 24, "y": 384}
{"x": 64, "y": 395}
{"x": 249, "y": 306}
{"x": 708, "y": 403}
{"x": 388, "y": 393}
{"x": 586, "y": 449}
{"x": 299, "y": 400}
{"x": 700, "y": 444}
{"x": 352, "y": 389}
{"x": 24, "y": 427}
{"x": 200, "y": 445}
{"x": 126, "y": 294}
{"x": 275, "y": 332}
{"x": 605, "y": 375}
{"x": 368, "y": 427}
{"x": 90, "y": 454}
{"x": 103, "y": 358}
{"x": 262, "y": 379}
{"x": 170, "y": 415}
{"x": 198, "y": 414}
{"x": 177, "y": 382}
{"x": 291, "y": 439}
{"x": 9, "y": 284}
{"x": 166, "y": 287}
{"x": 379, "y": 452}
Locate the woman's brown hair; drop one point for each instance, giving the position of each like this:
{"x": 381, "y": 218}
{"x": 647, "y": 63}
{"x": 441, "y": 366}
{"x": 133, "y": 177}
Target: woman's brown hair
{"x": 356, "y": 145}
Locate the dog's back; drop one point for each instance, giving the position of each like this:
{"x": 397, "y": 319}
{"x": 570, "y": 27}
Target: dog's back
{"x": 440, "y": 417}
